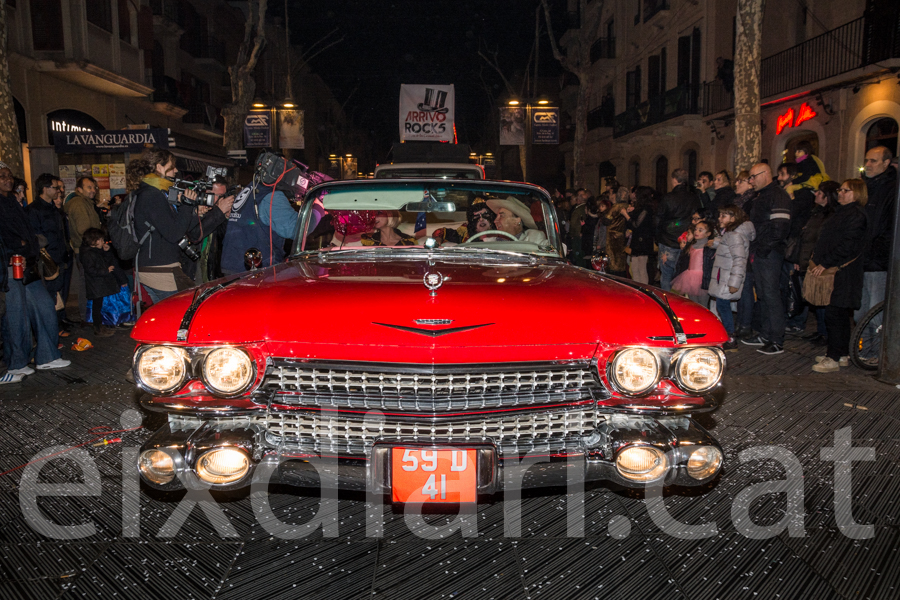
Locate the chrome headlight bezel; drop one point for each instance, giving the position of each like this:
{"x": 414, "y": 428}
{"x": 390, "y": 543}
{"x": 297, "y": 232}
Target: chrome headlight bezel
{"x": 180, "y": 354}
{"x": 222, "y": 393}
{"x": 685, "y": 355}
{"x": 611, "y": 371}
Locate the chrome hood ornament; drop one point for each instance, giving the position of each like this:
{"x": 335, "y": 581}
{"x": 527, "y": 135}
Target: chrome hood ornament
{"x": 433, "y": 280}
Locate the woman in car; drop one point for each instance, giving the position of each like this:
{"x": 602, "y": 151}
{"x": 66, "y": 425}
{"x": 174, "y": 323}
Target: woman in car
{"x": 515, "y": 218}
{"x": 385, "y": 232}
{"x": 479, "y": 217}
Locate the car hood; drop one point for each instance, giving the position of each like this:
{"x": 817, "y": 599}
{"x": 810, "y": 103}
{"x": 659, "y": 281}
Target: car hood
{"x": 382, "y": 311}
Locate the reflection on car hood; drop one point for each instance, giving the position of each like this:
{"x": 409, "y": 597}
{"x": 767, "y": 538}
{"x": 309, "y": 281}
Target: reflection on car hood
{"x": 383, "y": 311}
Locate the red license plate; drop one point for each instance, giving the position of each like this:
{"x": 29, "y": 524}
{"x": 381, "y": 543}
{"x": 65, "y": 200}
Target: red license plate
{"x": 421, "y": 476}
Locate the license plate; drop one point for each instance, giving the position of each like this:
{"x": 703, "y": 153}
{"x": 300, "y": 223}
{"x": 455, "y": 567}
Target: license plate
{"x": 424, "y": 476}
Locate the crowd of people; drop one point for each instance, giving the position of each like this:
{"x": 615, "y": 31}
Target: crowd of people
{"x": 746, "y": 246}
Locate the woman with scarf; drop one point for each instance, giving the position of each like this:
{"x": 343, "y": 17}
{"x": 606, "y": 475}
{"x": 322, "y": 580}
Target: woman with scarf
{"x": 169, "y": 222}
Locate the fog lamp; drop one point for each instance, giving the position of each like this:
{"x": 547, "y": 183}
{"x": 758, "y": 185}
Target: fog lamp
{"x": 157, "y": 466}
{"x": 699, "y": 369}
{"x": 704, "y": 462}
{"x": 224, "y": 465}
{"x": 161, "y": 369}
{"x": 227, "y": 371}
{"x": 642, "y": 463}
{"x": 634, "y": 371}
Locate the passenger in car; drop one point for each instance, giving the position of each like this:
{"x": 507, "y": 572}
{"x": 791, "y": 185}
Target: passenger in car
{"x": 515, "y": 218}
{"x": 385, "y": 232}
{"x": 478, "y": 218}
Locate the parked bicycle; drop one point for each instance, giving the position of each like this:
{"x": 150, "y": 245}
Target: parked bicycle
{"x": 865, "y": 341}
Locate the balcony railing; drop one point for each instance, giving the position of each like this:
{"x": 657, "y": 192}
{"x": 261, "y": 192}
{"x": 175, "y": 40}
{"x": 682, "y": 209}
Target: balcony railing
{"x": 856, "y": 44}
{"x": 682, "y": 100}
{"x": 651, "y": 7}
{"x": 603, "y": 48}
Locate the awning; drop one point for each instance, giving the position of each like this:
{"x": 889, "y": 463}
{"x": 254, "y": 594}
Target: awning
{"x": 196, "y": 162}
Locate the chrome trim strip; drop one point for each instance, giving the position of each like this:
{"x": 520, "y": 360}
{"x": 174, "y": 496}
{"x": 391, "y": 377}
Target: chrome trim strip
{"x": 199, "y": 298}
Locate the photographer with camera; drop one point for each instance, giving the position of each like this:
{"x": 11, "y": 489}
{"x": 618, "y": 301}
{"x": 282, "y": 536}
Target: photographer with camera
{"x": 172, "y": 218}
{"x": 263, "y": 217}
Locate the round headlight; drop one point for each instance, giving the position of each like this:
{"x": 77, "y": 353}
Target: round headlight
{"x": 157, "y": 466}
{"x": 642, "y": 463}
{"x": 161, "y": 368}
{"x": 227, "y": 371}
{"x": 699, "y": 369}
{"x": 224, "y": 465}
{"x": 634, "y": 371}
{"x": 704, "y": 462}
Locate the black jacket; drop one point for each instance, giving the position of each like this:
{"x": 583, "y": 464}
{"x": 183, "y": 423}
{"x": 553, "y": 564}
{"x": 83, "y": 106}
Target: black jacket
{"x": 840, "y": 240}
{"x": 640, "y": 221}
{"x": 771, "y": 216}
{"x": 801, "y": 209}
{"x": 880, "y": 210}
{"x": 98, "y": 280}
{"x": 48, "y": 221}
{"x": 674, "y": 214}
{"x": 709, "y": 259}
{"x": 15, "y": 230}
{"x": 809, "y": 235}
{"x": 171, "y": 225}
{"x": 724, "y": 197}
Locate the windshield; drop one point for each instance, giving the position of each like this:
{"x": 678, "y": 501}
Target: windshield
{"x": 424, "y": 172}
{"x": 442, "y": 215}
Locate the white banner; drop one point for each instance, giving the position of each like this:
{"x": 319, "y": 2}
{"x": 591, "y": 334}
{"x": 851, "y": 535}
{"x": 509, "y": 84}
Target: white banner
{"x": 290, "y": 129}
{"x": 426, "y": 112}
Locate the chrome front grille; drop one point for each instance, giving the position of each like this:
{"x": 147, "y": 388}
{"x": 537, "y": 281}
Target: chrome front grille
{"x": 427, "y": 388}
{"x": 355, "y": 434}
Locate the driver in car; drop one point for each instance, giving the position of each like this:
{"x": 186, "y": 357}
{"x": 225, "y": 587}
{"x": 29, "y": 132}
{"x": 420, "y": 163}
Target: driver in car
{"x": 514, "y": 218}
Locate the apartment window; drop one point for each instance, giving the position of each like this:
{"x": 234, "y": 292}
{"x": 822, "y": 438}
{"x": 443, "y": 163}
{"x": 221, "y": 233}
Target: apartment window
{"x": 633, "y": 87}
{"x": 99, "y": 12}
{"x": 125, "y": 9}
{"x": 47, "y": 25}
{"x": 656, "y": 74}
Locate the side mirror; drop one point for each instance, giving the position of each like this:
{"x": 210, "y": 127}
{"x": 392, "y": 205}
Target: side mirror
{"x": 252, "y": 259}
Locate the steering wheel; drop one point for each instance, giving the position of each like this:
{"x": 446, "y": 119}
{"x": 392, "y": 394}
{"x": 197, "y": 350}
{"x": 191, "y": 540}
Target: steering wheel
{"x": 490, "y": 232}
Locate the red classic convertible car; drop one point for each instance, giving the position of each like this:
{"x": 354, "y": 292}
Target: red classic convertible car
{"x": 428, "y": 338}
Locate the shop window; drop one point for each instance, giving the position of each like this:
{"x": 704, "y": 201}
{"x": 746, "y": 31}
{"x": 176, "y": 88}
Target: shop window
{"x": 690, "y": 163}
{"x": 662, "y": 174}
{"x": 99, "y": 12}
{"x": 806, "y": 136}
{"x": 47, "y": 25}
{"x": 883, "y": 132}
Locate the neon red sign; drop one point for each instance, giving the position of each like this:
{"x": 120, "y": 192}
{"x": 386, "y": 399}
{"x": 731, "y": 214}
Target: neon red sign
{"x": 787, "y": 119}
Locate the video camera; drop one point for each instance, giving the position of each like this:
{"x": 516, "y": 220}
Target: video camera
{"x": 203, "y": 187}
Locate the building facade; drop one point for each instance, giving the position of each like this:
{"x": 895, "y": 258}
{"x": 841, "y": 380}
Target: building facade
{"x": 662, "y": 94}
{"x": 111, "y": 64}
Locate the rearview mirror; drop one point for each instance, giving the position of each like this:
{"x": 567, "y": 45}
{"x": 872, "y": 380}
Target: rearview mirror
{"x": 431, "y": 207}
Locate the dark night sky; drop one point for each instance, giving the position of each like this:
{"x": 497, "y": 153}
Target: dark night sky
{"x": 387, "y": 43}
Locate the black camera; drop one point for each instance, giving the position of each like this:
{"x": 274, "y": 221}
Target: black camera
{"x": 203, "y": 188}
{"x": 185, "y": 245}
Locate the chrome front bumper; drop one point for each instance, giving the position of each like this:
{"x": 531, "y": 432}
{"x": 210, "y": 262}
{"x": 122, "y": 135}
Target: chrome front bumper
{"x": 553, "y": 462}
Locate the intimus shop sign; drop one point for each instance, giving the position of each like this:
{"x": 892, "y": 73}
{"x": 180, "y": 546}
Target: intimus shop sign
{"x": 110, "y": 141}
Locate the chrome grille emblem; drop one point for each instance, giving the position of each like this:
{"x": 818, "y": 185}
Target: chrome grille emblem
{"x": 433, "y": 321}
{"x": 433, "y": 281}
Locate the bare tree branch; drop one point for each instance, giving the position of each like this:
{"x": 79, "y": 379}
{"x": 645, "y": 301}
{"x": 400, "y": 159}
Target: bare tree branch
{"x": 494, "y": 64}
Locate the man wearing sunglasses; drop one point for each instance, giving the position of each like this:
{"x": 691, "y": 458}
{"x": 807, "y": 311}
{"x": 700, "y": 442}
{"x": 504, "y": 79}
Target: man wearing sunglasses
{"x": 771, "y": 216}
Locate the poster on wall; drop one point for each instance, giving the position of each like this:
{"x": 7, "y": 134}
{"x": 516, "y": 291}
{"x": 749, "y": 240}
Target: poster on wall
{"x": 68, "y": 174}
{"x": 101, "y": 174}
{"x": 545, "y": 126}
{"x": 427, "y": 113}
{"x": 290, "y": 130}
{"x": 349, "y": 169}
{"x": 512, "y": 126}
{"x": 117, "y": 179}
{"x": 257, "y": 130}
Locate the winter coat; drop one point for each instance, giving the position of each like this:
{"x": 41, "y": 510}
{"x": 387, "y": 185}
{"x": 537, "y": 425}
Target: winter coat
{"x": 641, "y": 223}
{"x": 880, "y": 211}
{"x": 684, "y": 263}
{"x": 805, "y": 245}
{"x": 730, "y": 265}
{"x": 771, "y": 216}
{"x": 840, "y": 241}
{"x": 724, "y": 197}
{"x": 801, "y": 210}
{"x": 674, "y": 215}
{"x": 15, "y": 229}
{"x": 82, "y": 217}
{"x": 615, "y": 237}
{"x": 48, "y": 221}
{"x": 98, "y": 280}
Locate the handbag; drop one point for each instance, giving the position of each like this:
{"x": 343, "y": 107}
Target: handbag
{"x": 817, "y": 290}
{"x": 48, "y": 267}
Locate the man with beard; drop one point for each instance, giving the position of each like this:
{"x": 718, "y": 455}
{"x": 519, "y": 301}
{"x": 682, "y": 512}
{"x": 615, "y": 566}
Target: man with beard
{"x": 82, "y": 216}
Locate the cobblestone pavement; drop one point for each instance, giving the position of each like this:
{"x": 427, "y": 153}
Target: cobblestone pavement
{"x": 770, "y": 401}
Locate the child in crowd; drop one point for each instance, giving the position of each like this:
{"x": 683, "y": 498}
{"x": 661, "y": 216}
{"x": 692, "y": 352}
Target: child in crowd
{"x": 694, "y": 267}
{"x": 730, "y": 265}
{"x": 102, "y": 275}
